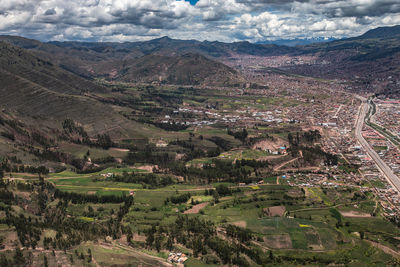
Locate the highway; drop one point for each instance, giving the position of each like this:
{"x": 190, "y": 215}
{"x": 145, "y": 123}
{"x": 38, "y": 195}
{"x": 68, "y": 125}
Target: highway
{"x": 385, "y": 169}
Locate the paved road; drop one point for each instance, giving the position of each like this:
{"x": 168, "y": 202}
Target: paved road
{"x": 386, "y": 170}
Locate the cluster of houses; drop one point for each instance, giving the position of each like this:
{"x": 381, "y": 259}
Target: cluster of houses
{"x": 107, "y": 175}
{"x": 177, "y": 257}
{"x": 211, "y": 116}
{"x": 388, "y": 115}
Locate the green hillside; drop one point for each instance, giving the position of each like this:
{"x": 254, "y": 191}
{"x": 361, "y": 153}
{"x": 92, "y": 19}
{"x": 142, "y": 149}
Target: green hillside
{"x": 188, "y": 69}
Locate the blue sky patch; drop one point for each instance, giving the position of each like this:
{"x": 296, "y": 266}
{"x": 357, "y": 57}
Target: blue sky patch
{"x": 192, "y": 2}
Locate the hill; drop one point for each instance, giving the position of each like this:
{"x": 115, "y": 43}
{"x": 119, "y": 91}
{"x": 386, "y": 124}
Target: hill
{"x": 188, "y": 69}
{"x": 168, "y": 46}
{"x": 370, "y": 59}
{"x": 21, "y": 63}
{"x": 138, "y": 62}
{"x": 383, "y": 41}
{"x": 45, "y": 95}
{"x": 382, "y": 32}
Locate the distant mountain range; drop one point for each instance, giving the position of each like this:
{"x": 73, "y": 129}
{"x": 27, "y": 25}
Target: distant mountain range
{"x": 169, "y": 61}
{"x": 299, "y": 41}
{"x": 71, "y": 53}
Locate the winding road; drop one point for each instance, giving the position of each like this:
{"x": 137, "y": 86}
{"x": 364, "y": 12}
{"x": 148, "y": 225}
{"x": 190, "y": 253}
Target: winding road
{"x": 385, "y": 169}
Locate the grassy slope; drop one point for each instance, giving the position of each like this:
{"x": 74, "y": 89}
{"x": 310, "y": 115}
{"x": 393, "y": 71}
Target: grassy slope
{"x": 188, "y": 69}
{"x": 34, "y": 88}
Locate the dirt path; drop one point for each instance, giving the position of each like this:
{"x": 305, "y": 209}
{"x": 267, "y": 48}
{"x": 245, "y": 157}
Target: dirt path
{"x": 103, "y": 188}
{"x": 95, "y": 262}
{"x": 148, "y": 190}
{"x": 160, "y": 260}
{"x": 276, "y": 168}
{"x": 385, "y": 249}
{"x": 196, "y": 208}
{"x": 119, "y": 149}
{"x": 338, "y": 110}
{"x": 324, "y": 208}
{"x": 376, "y": 205}
{"x": 70, "y": 177}
{"x": 270, "y": 157}
{"x": 302, "y": 169}
{"x": 16, "y": 179}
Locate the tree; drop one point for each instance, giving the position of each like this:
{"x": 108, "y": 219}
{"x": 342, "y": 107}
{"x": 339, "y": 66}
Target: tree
{"x": 170, "y": 242}
{"x": 290, "y": 138}
{"x": 215, "y": 196}
{"x": 3, "y": 261}
{"x": 2, "y": 183}
{"x": 223, "y": 190}
{"x": 89, "y": 255}
{"x": 19, "y": 257}
{"x": 129, "y": 237}
{"x": 157, "y": 242}
{"x": 104, "y": 141}
{"x": 41, "y": 179}
{"x": 149, "y": 238}
{"x": 197, "y": 246}
{"x": 271, "y": 255}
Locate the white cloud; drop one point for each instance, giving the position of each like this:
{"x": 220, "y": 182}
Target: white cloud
{"x": 225, "y": 20}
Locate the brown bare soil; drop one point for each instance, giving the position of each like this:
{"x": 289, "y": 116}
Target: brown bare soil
{"x": 385, "y": 249}
{"x": 269, "y": 144}
{"x": 275, "y": 211}
{"x": 355, "y": 214}
{"x": 148, "y": 168}
{"x": 24, "y": 195}
{"x": 139, "y": 238}
{"x": 196, "y": 208}
{"x": 119, "y": 149}
{"x": 295, "y": 193}
{"x": 282, "y": 241}
{"x": 10, "y": 240}
{"x": 242, "y": 224}
{"x": 179, "y": 156}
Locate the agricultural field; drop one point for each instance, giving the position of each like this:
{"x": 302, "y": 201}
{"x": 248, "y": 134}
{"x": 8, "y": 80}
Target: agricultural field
{"x": 315, "y": 221}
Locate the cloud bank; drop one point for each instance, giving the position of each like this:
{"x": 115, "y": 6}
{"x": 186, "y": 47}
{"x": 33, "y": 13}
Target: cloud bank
{"x": 223, "y": 20}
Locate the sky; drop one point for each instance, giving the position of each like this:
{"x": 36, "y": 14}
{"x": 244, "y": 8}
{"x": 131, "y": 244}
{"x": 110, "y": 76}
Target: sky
{"x": 221, "y": 20}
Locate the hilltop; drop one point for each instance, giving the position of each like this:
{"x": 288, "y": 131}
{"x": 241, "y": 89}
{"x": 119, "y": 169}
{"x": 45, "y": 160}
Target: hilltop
{"x": 382, "y": 32}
